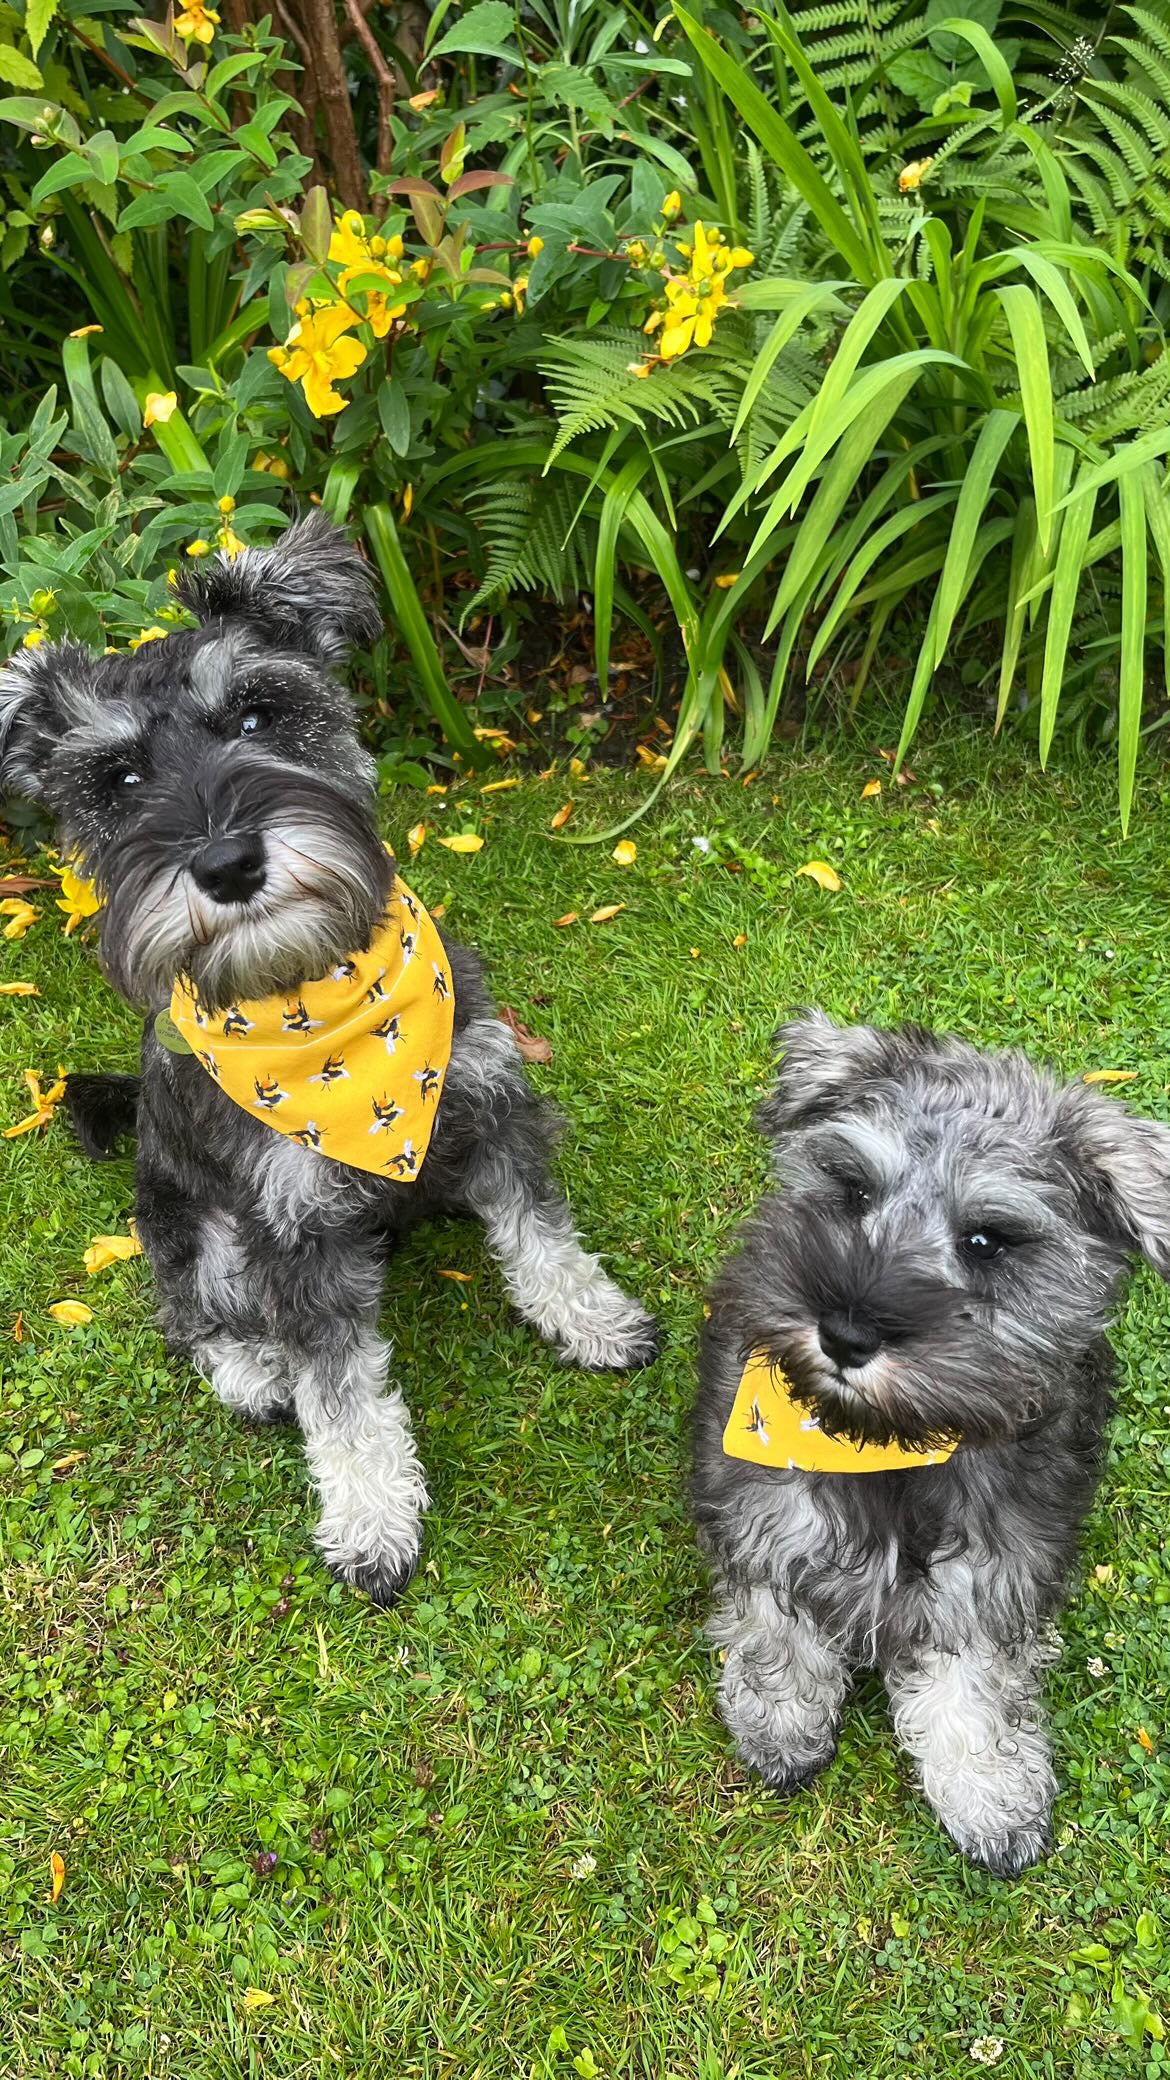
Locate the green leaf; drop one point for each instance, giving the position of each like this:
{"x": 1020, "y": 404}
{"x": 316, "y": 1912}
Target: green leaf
{"x": 102, "y": 152}
{"x": 70, "y": 171}
{"x": 1134, "y": 580}
{"x": 811, "y": 297}
{"x": 317, "y": 225}
{"x": 121, "y": 402}
{"x": 784, "y": 147}
{"x": 994, "y": 435}
{"x": 37, "y": 16}
{"x": 394, "y": 413}
{"x": 416, "y": 632}
{"x": 1051, "y": 282}
{"x": 18, "y": 71}
{"x": 1026, "y": 325}
{"x": 486, "y": 30}
{"x": 1158, "y": 516}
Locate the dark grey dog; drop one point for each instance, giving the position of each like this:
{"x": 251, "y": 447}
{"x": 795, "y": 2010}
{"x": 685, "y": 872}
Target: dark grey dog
{"x": 951, "y": 1235}
{"x": 214, "y": 786}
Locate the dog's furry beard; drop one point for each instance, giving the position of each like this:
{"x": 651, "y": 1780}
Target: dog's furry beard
{"x": 326, "y": 885}
{"x": 948, "y": 1364}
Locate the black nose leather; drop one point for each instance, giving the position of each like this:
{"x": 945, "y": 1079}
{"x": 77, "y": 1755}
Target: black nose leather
{"x": 229, "y": 870}
{"x": 847, "y": 1339}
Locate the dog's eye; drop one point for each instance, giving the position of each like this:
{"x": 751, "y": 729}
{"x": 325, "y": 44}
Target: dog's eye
{"x": 253, "y": 720}
{"x": 983, "y": 1245}
{"x": 123, "y": 778}
{"x": 857, "y": 1196}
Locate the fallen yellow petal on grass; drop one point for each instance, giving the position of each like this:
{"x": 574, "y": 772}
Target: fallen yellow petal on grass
{"x": 728, "y": 579}
{"x": 1144, "y": 1741}
{"x": 462, "y": 1278}
{"x": 105, "y": 1250}
{"x": 78, "y": 898}
{"x": 498, "y": 737}
{"x": 20, "y": 915}
{"x": 606, "y": 911}
{"x": 44, "y": 1104}
{"x": 822, "y": 873}
{"x": 498, "y": 786}
{"x": 656, "y": 760}
{"x": 740, "y": 939}
{"x": 558, "y": 822}
{"x": 1110, "y": 1076}
{"x": 255, "y": 1997}
{"x": 467, "y": 841}
{"x": 57, "y": 1871}
{"x": 570, "y": 917}
{"x": 70, "y": 1459}
{"x": 17, "y": 1331}
{"x": 625, "y": 853}
{"x": 416, "y": 837}
{"x": 871, "y": 788}
{"x": 19, "y": 989}
{"x": 73, "y": 1313}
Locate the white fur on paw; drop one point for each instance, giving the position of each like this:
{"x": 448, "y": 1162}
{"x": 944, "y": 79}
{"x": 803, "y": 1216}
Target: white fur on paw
{"x": 373, "y": 1498}
{"x": 606, "y": 1330}
{"x": 248, "y": 1378}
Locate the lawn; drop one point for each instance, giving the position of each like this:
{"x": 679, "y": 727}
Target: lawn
{"x": 499, "y": 1832}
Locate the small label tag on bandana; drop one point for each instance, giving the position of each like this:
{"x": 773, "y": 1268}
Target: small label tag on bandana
{"x": 770, "y": 1427}
{"x": 167, "y": 1033}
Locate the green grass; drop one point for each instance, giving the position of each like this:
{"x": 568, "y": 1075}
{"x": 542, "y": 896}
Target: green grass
{"x": 490, "y": 1808}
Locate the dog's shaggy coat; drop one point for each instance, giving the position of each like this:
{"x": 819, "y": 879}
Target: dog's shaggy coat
{"x": 943, "y": 1257}
{"x": 214, "y": 786}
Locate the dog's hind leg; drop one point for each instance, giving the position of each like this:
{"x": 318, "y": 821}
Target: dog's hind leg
{"x": 971, "y": 1719}
{"x": 782, "y": 1685}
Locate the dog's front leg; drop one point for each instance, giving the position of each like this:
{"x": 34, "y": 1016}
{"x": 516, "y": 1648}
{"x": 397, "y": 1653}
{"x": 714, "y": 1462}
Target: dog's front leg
{"x": 971, "y": 1719}
{"x": 358, "y": 1441}
{"x": 782, "y": 1685}
{"x": 552, "y": 1281}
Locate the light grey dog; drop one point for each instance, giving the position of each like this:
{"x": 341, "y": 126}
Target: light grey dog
{"x": 951, "y": 1235}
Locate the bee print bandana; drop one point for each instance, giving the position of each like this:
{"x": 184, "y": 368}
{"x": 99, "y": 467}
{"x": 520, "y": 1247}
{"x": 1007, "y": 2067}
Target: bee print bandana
{"x": 351, "y": 1066}
{"x": 769, "y": 1426}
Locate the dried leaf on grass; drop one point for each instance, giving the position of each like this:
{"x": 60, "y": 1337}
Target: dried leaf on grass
{"x": 822, "y": 873}
{"x": 105, "y": 1250}
{"x": 19, "y": 884}
{"x": 533, "y": 1046}
{"x": 606, "y": 911}
{"x": 570, "y": 917}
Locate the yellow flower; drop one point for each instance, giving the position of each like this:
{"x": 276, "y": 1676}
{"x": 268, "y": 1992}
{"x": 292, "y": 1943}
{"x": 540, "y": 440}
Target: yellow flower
{"x": 672, "y": 205}
{"x": 21, "y": 916}
{"x": 159, "y": 406}
{"x": 912, "y": 176}
{"x": 394, "y": 247}
{"x": 229, "y": 541}
{"x": 316, "y": 356}
{"x": 520, "y": 291}
{"x": 197, "y": 23}
{"x": 380, "y": 312}
{"x": 227, "y": 505}
{"x": 349, "y": 246}
{"x": 408, "y": 502}
{"x": 637, "y": 252}
{"x": 421, "y": 269}
{"x": 154, "y": 634}
{"x": 198, "y": 548}
{"x": 44, "y": 1103}
{"x": 535, "y": 248}
{"x": 694, "y": 299}
{"x": 33, "y": 636}
{"x": 78, "y": 899}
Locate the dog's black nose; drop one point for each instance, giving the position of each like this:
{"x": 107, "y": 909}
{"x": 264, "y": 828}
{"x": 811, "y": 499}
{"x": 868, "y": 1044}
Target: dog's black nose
{"x": 848, "y": 1339}
{"x": 229, "y": 870}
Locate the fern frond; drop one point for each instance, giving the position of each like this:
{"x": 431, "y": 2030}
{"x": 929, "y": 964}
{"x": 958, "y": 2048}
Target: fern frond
{"x": 530, "y": 539}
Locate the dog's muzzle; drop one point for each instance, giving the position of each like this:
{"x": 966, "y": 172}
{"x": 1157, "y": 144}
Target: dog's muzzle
{"x": 230, "y": 870}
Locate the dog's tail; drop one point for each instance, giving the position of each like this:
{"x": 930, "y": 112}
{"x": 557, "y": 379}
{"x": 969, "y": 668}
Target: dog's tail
{"x": 104, "y": 1112}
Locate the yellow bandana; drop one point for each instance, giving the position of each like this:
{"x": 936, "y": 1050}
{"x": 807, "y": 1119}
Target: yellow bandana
{"x": 353, "y": 1065}
{"x": 768, "y": 1426}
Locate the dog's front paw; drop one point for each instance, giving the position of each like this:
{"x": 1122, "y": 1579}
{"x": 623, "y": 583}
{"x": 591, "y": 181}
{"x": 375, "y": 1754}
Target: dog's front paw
{"x": 1008, "y": 1852}
{"x": 611, "y": 1332}
{"x": 383, "y": 1580}
{"x": 785, "y": 1775}
{"x": 248, "y": 1379}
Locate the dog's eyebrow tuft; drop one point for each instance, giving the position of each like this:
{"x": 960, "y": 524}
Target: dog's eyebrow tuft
{"x": 858, "y": 1145}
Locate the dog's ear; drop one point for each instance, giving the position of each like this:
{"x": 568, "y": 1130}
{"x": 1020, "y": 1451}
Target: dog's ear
{"x": 43, "y": 693}
{"x": 820, "y": 1065}
{"x": 1122, "y": 1165}
{"x": 310, "y": 591}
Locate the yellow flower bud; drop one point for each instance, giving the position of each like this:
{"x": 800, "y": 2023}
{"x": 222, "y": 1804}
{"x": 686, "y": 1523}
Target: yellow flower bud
{"x": 199, "y": 548}
{"x": 535, "y": 247}
{"x": 43, "y": 601}
{"x": 227, "y": 505}
{"x": 672, "y": 205}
